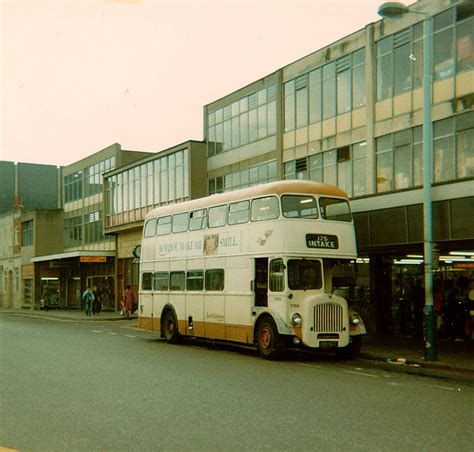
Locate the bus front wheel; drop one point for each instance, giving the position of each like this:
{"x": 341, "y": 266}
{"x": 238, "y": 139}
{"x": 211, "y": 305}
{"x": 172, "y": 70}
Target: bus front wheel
{"x": 169, "y": 327}
{"x": 268, "y": 339}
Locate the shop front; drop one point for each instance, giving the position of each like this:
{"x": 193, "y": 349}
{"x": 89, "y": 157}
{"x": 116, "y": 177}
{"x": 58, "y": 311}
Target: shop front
{"x": 62, "y": 278}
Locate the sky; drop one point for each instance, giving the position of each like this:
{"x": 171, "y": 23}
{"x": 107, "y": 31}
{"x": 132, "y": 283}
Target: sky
{"x": 80, "y": 75}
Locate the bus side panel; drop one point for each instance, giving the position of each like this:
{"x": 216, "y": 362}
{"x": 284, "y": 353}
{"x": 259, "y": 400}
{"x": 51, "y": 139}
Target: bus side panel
{"x": 145, "y": 319}
{"x": 238, "y": 318}
{"x": 195, "y": 312}
{"x": 214, "y": 306}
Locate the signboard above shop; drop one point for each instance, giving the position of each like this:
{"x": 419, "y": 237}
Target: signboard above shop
{"x": 93, "y": 259}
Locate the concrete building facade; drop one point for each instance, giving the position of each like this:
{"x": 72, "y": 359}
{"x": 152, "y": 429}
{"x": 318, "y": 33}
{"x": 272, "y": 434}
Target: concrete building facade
{"x": 87, "y": 255}
{"x": 29, "y": 200}
{"x": 351, "y": 114}
{"x": 173, "y": 175}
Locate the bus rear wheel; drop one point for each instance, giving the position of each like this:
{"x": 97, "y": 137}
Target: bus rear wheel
{"x": 268, "y": 339}
{"x": 169, "y": 327}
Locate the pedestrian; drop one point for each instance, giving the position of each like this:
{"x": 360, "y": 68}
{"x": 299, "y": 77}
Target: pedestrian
{"x": 128, "y": 302}
{"x": 96, "y": 305}
{"x": 88, "y": 298}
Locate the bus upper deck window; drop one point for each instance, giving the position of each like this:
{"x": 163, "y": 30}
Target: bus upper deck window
{"x": 298, "y": 206}
{"x": 239, "y": 212}
{"x": 335, "y": 209}
{"x": 217, "y": 216}
{"x": 265, "y": 209}
{"x": 164, "y": 225}
{"x": 150, "y": 228}
{"x": 197, "y": 220}
{"x": 180, "y": 222}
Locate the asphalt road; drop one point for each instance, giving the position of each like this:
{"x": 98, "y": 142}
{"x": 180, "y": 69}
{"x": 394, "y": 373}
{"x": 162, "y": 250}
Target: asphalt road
{"x": 85, "y": 386}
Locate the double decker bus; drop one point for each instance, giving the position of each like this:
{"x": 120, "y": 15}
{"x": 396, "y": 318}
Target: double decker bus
{"x": 252, "y": 266}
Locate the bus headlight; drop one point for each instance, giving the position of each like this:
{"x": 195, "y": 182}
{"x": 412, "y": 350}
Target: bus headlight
{"x": 355, "y": 319}
{"x": 296, "y": 319}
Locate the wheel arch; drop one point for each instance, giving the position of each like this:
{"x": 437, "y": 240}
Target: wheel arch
{"x": 282, "y": 328}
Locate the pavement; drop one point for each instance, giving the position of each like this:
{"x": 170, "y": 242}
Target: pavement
{"x": 395, "y": 352}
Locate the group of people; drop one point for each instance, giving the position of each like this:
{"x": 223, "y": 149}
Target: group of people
{"x": 454, "y": 306}
{"x": 92, "y": 304}
{"x": 455, "y": 303}
{"x": 91, "y": 300}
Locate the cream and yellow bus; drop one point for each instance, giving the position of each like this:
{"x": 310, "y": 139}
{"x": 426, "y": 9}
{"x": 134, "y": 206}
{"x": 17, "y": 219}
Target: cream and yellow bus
{"x": 252, "y": 266}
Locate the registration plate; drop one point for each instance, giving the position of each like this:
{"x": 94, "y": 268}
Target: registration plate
{"x": 328, "y": 344}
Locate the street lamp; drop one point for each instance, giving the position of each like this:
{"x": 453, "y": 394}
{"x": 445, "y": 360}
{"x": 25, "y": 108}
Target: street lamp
{"x": 391, "y": 10}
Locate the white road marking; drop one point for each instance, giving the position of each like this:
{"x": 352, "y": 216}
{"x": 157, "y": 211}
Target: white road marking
{"x": 446, "y": 388}
{"x": 97, "y": 331}
{"x": 128, "y": 335}
{"x": 113, "y": 334}
{"x": 360, "y": 373}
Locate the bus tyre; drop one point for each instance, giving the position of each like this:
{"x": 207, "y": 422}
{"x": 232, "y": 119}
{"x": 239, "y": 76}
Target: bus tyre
{"x": 352, "y": 350}
{"x": 169, "y": 327}
{"x": 268, "y": 339}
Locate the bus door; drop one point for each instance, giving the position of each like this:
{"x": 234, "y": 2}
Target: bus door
{"x": 261, "y": 281}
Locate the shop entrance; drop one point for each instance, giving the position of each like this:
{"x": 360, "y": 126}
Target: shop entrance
{"x": 104, "y": 286}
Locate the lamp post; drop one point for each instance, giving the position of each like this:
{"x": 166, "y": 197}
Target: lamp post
{"x": 391, "y": 10}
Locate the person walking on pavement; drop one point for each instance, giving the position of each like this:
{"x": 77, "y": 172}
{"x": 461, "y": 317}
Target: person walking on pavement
{"x": 96, "y": 305}
{"x": 128, "y": 302}
{"x": 88, "y": 298}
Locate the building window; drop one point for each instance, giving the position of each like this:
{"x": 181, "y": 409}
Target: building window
{"x": 443, "y": 148}
{"x": 443, "y": 44}
{"x": 258, "y": 174}
{"x": 464, "y": 148}
{"x": 161, "y": 181}
{"x": 399, "y": 62}
{"x": 329, "y": 90}
{"x": 336, "y": 87}
{"x": 400, "y": 56}
{"x": 400, "y": 155}
{"x": 73, "y": 231}
{"x": 344, "y": 167}
{"x": 27, "y": 233}
{"x": 244, "y": 121}
{"x": 87, "y": 182}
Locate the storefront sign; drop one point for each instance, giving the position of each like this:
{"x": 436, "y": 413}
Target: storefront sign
{"x": 93, "y": 259}
{"x": 28, "y": 271}
{"x": 322, "y": 241}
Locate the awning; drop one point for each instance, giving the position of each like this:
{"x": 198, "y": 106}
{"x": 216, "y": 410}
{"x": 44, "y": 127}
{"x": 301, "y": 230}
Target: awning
{"x": 71, "y": 254}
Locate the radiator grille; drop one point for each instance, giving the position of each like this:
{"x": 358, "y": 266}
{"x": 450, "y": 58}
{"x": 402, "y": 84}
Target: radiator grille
{"x": 328, "y": 318}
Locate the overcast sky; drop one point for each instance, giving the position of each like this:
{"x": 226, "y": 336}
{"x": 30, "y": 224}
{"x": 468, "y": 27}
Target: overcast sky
{"x": 79, "y": 75}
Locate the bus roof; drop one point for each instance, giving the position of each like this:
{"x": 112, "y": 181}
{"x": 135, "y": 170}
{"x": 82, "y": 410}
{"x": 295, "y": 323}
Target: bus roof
{"x": 272, "y": 188}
